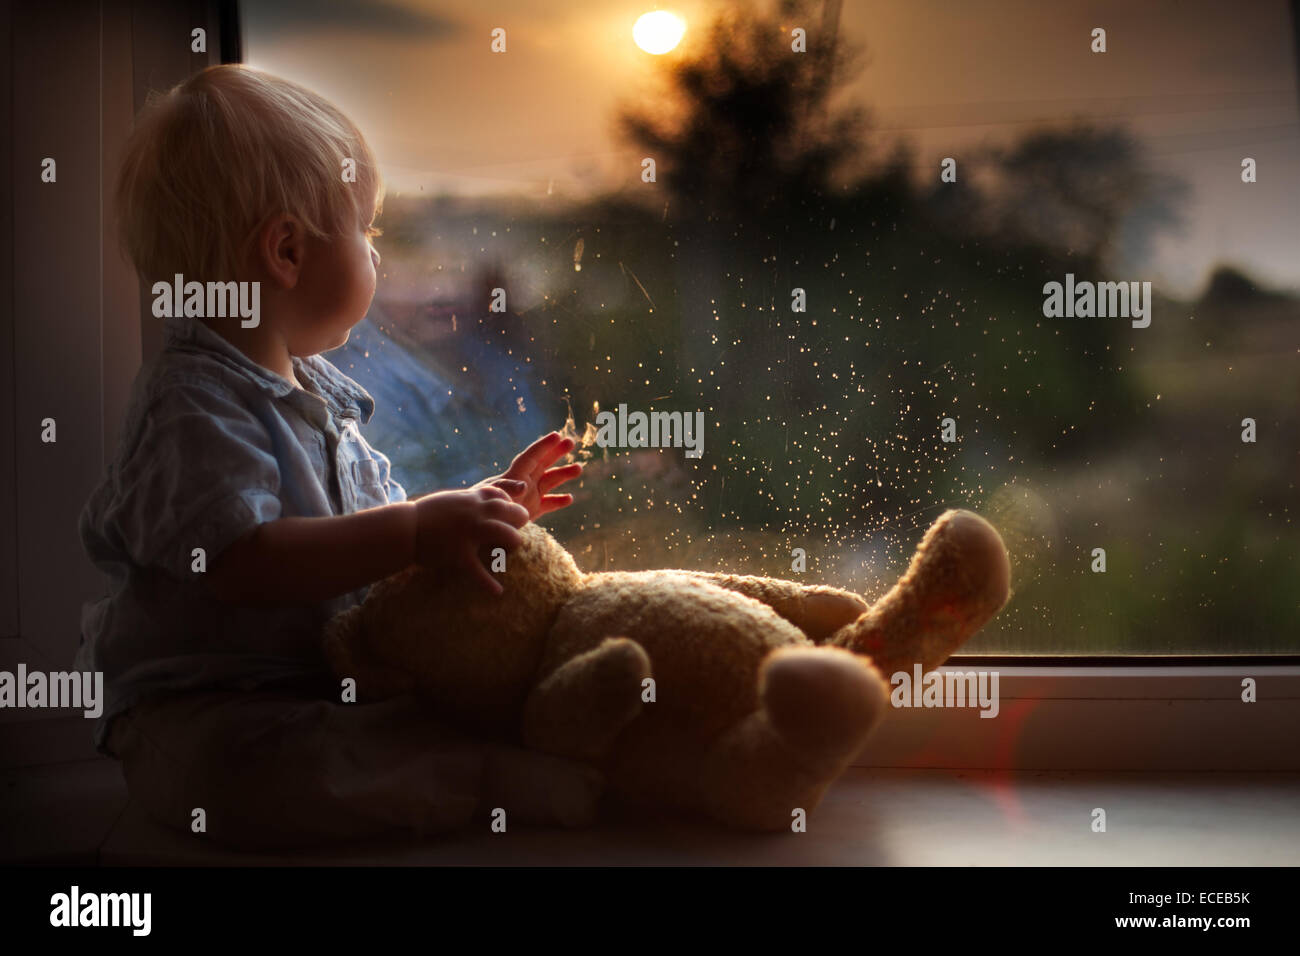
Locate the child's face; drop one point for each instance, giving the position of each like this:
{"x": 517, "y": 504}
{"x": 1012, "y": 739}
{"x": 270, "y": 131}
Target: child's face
{"x": 336, "y": 286}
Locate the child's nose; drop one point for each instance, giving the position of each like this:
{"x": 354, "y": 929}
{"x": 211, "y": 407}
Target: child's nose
{"x": 375, "y": 255}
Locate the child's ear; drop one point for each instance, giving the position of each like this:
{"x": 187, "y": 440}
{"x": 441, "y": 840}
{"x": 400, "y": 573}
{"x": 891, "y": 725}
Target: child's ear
{"x": 281, "y": 247}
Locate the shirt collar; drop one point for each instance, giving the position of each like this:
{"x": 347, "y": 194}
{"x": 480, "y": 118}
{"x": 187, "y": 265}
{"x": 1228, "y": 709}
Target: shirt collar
{"x": 346, "y": 398}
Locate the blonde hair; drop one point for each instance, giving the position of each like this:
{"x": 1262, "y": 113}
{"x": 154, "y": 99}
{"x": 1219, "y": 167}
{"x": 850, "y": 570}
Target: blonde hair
{"x": 218, "y": 155}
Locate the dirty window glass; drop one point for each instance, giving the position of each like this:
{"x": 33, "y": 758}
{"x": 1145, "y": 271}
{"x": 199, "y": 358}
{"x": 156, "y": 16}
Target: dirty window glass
{"x": 891, "y": 258}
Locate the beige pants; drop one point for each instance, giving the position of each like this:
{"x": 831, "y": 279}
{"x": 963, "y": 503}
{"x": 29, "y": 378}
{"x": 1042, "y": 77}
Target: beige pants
{"x": 274, "y": 770}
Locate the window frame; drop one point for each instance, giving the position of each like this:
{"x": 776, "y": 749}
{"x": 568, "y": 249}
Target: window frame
{"x": 1125, "y": 714}
{"x": 1100, "y": 713}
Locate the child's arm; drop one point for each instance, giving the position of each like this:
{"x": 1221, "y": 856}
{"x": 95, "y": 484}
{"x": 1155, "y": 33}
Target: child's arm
{"x": 308, "y": 560}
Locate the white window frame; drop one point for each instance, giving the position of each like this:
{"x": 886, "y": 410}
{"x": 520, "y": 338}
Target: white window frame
{"x": 1129, "y": 713}
{"x": 1116, "y": 717}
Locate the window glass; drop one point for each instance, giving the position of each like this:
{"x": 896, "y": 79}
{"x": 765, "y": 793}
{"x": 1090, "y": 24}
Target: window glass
{"x": 843, "y": 265}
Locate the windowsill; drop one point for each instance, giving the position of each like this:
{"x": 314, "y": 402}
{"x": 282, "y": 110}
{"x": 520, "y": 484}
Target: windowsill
{"x": 867, "y": 818}
{"x": 1167, "y": 752}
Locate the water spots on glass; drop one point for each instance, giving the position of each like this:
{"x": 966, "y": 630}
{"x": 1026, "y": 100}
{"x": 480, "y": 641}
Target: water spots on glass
{"x": 822, "y": 429}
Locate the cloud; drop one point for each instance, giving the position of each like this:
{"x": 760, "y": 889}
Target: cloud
{"x": 275, "y": 19}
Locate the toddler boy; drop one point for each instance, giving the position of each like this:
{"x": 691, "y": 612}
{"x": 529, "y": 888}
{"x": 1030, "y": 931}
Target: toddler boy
{"x": 244, "y": 508}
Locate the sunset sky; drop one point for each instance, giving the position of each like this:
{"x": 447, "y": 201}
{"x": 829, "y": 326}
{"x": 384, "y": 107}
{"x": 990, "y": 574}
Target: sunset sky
{"x": 1200, "y": 83}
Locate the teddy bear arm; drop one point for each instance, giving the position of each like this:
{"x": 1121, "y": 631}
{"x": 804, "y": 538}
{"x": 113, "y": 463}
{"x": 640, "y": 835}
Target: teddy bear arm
{"x": 816, "y": 610}
{"x": 583, "y": 705}
{"x": 349, "y": 657}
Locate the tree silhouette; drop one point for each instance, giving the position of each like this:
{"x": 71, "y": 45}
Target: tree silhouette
{"x": 1085, "y": 191}
{"x": 749, "y": 129}
{"x": 923, "y": 296}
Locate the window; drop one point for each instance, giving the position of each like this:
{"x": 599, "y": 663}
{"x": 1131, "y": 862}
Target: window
{"x": 867, "y": 330}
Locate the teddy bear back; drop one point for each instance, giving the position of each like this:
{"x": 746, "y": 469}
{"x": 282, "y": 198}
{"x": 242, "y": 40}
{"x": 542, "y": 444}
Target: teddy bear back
{"x": 473, "y": 654}
{"x": 705, "y": 643}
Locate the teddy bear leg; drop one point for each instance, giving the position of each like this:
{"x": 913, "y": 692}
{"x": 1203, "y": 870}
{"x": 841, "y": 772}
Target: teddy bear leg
{"x": 583, "y": 705}
{"x": 819, "y": 707}
{"x": 816, "y": 610}
{"x": 959, "y": 578}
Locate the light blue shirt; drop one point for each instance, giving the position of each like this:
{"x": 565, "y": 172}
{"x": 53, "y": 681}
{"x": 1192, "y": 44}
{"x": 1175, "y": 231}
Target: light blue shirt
{"x": 213, "y": 445}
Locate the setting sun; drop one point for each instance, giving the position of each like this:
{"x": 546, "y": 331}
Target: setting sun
{"x": 658, "y": 32}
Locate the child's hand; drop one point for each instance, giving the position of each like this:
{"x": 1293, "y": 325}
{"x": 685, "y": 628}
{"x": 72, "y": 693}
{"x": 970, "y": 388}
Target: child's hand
{"x": 453, "y": 527}
{"x": 530, "y": 476}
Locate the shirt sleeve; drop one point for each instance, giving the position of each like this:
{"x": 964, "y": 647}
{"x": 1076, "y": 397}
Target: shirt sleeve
{"x": 201, "y": 474}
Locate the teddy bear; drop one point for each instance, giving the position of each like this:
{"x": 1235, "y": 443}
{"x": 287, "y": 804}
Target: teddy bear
{"x": 740, "y": 698}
